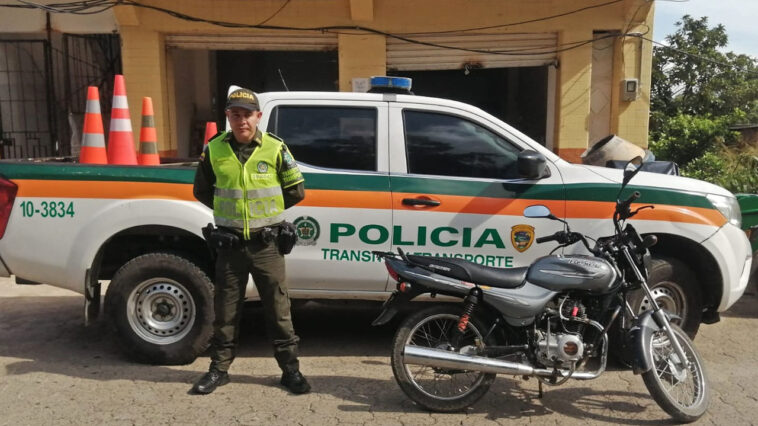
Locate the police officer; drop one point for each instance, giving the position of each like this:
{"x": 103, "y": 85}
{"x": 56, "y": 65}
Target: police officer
{"x": 249, "y": 178}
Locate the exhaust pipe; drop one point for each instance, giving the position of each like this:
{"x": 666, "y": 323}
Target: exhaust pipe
{"x": 444, "y": 359}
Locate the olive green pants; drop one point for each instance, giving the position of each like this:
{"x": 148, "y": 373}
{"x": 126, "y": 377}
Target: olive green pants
{"x": 266, "y": 265}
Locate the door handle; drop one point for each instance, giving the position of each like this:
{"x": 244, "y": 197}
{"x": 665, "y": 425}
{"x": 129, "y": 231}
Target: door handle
{"x": 420, "y": 202}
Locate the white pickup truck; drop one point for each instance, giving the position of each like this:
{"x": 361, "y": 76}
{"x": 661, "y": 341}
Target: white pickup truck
{"x": 382, "y": 171}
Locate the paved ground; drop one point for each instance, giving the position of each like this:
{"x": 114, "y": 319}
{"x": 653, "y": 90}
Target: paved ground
{"x": 55, "y": 371}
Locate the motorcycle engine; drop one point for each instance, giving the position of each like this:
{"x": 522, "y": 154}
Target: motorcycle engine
{"x": 566, "y": 346}
{"x": 558, "y": 347}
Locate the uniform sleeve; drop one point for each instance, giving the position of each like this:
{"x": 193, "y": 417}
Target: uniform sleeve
{"x": 205, "y": 180}
{"x": 293, "y": 195}
{"x": 289, "y": 173}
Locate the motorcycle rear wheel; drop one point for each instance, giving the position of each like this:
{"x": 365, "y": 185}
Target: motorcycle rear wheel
{"x": 684, "y": 393}
{"x": 436, "y": 389}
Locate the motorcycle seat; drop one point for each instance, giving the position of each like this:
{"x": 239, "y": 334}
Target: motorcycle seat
{"x": 472, "y": 272}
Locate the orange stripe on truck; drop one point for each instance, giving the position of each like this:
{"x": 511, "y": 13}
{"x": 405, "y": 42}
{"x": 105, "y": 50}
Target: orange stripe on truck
{"x": 661, "y": 212}
{"x": 98, "y": 189}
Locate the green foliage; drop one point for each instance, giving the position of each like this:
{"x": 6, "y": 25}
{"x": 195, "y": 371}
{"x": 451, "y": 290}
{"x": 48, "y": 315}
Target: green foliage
{"x": 683, "y": 138}
{"x": 736, "y": 172}
{"x": 697, "y": 92}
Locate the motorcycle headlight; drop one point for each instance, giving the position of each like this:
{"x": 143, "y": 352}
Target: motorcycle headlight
{"x": 728, "y": 207}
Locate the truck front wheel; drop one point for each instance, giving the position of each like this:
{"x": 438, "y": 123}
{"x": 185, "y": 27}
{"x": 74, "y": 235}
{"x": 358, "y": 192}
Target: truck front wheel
{"x": 676, "y": 290}
{"x": 162, "y": 307}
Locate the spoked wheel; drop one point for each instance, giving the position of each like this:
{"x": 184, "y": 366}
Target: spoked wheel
{"x": 680, "y": 388}
{"x": 438, "y": 389}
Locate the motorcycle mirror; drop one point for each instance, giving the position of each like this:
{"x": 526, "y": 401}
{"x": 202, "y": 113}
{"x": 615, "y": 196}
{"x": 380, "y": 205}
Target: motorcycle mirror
{"x": 632, "y": 168}
{"x": 536, "y": 211}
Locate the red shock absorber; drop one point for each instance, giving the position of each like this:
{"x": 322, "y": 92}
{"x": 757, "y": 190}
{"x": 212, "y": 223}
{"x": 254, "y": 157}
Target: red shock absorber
{"x": 468, "y": 308}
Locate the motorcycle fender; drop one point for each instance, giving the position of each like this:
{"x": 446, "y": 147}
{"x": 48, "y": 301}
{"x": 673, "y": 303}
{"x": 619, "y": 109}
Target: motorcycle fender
{"x": 392, "y": 305}
{"x": 641, "y": 336}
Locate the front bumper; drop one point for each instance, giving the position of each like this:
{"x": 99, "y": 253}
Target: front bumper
{"x": 731, "y": 249}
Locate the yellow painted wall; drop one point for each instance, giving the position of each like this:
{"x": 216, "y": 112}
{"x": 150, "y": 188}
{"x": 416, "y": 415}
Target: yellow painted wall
{"x": 363, "y": 55}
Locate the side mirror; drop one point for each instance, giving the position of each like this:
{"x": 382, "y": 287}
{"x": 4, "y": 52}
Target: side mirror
{"x": 532, "y": 165}
{"x": 632, "y": 168}
{"x": 536, "y": 211}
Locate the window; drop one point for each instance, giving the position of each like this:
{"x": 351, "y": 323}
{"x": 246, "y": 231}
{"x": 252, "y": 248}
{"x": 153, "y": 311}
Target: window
{"x": 332, "y": 137}
{"x": 441, "y": 144}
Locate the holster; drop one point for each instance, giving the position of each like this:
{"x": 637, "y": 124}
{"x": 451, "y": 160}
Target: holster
{"x": 218, "y": 238}
{"x": 287, "y": 237}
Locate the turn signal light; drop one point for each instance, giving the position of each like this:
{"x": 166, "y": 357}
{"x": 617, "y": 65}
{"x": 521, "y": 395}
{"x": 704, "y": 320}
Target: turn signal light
{"x": 404, "y": 287}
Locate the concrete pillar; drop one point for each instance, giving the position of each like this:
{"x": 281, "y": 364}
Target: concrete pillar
{"x": 144, "y": 66}
{"x": 361, "y": 55}
{"x": 574, "y": 81}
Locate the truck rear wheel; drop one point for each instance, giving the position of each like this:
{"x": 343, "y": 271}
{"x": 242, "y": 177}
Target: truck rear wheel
{"x": 162, "y": 307}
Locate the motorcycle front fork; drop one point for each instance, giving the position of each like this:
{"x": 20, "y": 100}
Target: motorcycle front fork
{"x": 658, "y": 315}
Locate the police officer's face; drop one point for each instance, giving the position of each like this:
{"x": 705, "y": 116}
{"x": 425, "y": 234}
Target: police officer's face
{"x": 244, "y": 123}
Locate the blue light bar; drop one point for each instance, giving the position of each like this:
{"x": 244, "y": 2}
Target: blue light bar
{"x": 401, "y": 83}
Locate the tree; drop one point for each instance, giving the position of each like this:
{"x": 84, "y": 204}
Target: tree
{"x": 692, "y": 76}
{"x": 697, "y": 92}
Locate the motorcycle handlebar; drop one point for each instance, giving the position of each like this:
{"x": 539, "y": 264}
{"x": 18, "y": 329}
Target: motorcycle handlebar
{"x": 541, "y": 240}
{"x": 624, "y": 205}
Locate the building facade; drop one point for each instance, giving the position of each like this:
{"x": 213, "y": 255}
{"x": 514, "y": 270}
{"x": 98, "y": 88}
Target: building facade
{"x": 566, "y": 73}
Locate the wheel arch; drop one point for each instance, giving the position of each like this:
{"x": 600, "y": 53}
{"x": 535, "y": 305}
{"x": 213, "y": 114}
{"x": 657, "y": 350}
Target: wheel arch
{"x": 138, "y": 240}
{"x": 702, "y": 263}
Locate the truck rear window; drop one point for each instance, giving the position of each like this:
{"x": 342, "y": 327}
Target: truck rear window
{"x": 332, "y": 137}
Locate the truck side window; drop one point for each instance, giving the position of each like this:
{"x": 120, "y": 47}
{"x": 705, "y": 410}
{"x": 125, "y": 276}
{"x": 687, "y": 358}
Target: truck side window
{"x": 331, "y": 137}
{"x": 447, "y": 145}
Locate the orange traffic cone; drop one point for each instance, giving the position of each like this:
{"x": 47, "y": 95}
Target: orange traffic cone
{"x": 210, "y": 131}
{"x": 148, "y": 140}
{"x": 120, "y": 139}
{"x": 93, "y": 139}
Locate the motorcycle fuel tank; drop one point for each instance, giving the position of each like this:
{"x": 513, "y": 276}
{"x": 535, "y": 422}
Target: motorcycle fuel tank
{"x": 575, "y": 272}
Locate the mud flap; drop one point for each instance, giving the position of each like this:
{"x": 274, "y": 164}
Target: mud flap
{"x": 91, "y": 298}
{"x": 392, "y": 305}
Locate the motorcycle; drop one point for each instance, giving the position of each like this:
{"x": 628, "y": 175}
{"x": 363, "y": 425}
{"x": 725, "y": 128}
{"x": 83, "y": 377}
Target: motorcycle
{"x": 550, "y": 320}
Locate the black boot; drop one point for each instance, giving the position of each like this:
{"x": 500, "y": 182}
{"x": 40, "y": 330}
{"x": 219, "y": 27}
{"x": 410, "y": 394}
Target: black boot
{"x": 295, "y": 382}
{"x": 210, "y": 381}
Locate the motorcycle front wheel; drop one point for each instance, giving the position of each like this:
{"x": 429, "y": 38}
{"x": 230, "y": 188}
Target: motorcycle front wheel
{"x": 439, "y": 389}
{"x": 680, "y": 390}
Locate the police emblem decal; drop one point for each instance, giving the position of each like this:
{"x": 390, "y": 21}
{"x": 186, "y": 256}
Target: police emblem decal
{"x": 307, "y": 229}
{"x": 262, "y": 167}
{"x": 522, "y": 237}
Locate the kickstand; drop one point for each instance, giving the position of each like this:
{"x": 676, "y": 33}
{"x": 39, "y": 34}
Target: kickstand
{"x": 540, "y": 394}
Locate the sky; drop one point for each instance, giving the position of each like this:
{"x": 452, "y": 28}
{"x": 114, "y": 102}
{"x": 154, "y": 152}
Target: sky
{"x": 737, "y": 16}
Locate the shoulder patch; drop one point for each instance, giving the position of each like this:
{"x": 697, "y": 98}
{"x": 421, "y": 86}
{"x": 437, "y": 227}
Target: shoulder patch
{"x": 202, "y": 156}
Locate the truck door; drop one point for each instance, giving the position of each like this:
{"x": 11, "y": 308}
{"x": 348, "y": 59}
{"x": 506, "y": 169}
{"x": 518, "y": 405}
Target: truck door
{"x": 341, "y": 148}
{"x": 456, "y": 191}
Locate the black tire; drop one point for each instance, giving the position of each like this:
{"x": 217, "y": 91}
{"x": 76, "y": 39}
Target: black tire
{"x": 683, "y": 394}
{"x": 162, "y": 308}
{"x": 676, "y": 290}
{"x": 411, "y": 377}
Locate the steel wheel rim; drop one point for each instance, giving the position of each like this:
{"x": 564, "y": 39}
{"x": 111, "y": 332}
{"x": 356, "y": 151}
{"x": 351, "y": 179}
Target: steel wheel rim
{"x": 685, "y": 393}
{"x": 419, "y": 374}
{"x": 161, "y": 311}
{"x": 670, "y": 297}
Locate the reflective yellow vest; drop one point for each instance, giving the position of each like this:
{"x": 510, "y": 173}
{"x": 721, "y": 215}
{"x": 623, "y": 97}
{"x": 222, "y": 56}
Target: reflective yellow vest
{"x": 249, "y": 195}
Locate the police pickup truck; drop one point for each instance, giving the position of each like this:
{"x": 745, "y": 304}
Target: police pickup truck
{"x": 382, "y": 171}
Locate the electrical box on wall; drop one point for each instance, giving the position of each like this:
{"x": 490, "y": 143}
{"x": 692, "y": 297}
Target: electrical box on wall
{"x": 630, "y": 89}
